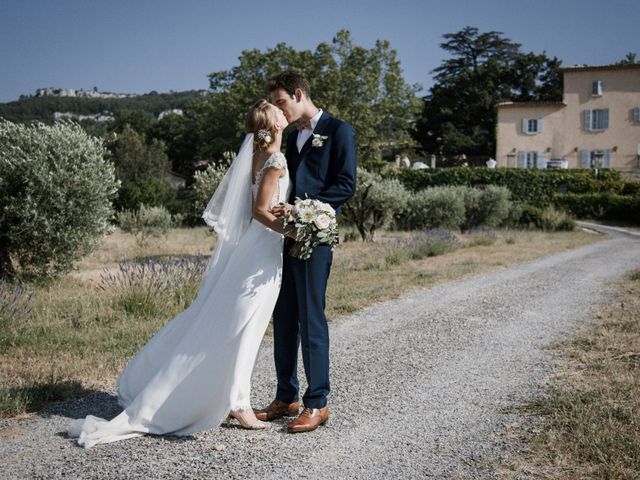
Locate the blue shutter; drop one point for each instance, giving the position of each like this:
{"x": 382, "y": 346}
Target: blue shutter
{"x": 540, "y": 161}
{"x": 587, "y": 120}
{"x": 605, "y": 119}
{"x": 540, "y": 125}
{"x": 636, "y": 114}
{"x": 522, "y": 159}
{"x": 525, "y": 125}
{"x": 606, "y": 160}
{"x": 585, "y": 159}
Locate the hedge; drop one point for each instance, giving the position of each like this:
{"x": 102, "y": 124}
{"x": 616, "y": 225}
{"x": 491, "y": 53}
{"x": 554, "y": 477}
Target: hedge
{"x": 535, "y": 187}
{"x": 602, "y": 206}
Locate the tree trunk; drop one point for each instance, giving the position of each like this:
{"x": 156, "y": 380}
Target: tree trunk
{"x": 7, "y": 272}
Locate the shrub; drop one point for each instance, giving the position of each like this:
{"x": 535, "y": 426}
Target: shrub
{"x": 151, "y": 288}
{"x": 602, "y": 206}
{"x": 437, "y": 207}
{"x": 204, "y": 185}
{"x": 631, "y": 188}
{"x": 549, "y": 219}
{"x": 531, "y": 217}
{"x": 487, "y": 208}
{"x": 553, "y": 220}
{"x": 146, "y": 222}
{"x": 536, "y": 187}
{"x": 374, "y": 204}
{"x": 55, "y": 196}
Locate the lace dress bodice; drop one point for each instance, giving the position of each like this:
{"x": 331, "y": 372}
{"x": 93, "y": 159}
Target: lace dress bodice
{"x": 276, "y": 160}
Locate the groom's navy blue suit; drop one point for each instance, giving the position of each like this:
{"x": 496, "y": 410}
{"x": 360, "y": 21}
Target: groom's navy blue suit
{"x": 326, "y": 173}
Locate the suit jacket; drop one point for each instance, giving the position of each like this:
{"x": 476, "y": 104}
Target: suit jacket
{"x": 328, "y": 172}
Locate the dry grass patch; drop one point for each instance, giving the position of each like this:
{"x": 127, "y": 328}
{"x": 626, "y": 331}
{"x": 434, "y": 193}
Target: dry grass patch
{"x": 77, "y": 337}
{"x": 590, "y": 426}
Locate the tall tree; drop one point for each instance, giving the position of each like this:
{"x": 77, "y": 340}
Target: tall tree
{"x": 630, "y": 58}
{"x": 362, "y": 86}
{"x": 458, "y": 117}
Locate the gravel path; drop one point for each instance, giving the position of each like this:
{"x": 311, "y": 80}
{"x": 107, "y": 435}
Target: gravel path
{"x": 422, "y": 387}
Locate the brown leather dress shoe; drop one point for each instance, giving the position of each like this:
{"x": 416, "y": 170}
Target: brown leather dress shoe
{"x": 277, "y": 409}
{"x": 309, "y": 420}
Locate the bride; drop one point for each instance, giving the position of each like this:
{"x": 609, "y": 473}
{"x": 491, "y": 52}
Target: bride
{"x": 197, "y": 369}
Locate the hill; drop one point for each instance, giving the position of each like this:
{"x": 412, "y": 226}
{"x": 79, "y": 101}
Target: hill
{"x": 44, "y": 108}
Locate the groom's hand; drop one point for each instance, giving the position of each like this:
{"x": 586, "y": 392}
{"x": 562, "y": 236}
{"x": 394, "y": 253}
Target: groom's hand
{"x": 282, "y": 210}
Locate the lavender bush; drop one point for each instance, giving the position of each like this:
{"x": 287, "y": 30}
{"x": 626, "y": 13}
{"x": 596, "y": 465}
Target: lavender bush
{"x": 153, "y": 287}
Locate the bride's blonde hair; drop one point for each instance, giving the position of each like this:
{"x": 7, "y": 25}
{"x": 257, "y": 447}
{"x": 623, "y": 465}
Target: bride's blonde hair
{"x": 261, "y": 121}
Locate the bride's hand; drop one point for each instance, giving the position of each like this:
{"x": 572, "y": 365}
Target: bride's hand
{"x": 281, "y": 210}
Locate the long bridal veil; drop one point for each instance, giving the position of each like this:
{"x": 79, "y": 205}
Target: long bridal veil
{"x": 229, "y": 210}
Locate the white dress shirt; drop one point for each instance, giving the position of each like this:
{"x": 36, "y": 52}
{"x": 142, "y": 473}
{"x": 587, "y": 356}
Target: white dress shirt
{"x": 303, "y": 135}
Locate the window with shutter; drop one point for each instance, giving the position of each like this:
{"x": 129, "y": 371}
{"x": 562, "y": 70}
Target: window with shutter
{"x": 596, "y": 119}
{"x": 531, "y": 126}
{"x": 522, "y": 159}
{"x": 636, "y": 114}
{"x": 596, "y": 88}
{"x": 585, "y": 159}
{"x": 540, "y": 161}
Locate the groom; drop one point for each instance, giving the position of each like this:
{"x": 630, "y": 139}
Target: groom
{"x": 321, "y": 158}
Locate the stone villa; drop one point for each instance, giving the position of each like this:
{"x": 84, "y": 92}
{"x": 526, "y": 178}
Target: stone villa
{"x": 596, "y": 125}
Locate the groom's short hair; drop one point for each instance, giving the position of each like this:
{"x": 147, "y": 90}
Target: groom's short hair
{"x": 289, "y": 81}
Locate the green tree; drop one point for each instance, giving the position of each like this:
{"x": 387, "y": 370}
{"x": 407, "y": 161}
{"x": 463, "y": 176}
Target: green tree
{"x": 630, "y": 58}
{"x": 458, "y": 116}
{"x": 55, "y": 196}
{"x": 362, "y": 86}
{"x": 141, "y": 168}
{"x": 174, "y": 130}
{"x": 375, "y": 203}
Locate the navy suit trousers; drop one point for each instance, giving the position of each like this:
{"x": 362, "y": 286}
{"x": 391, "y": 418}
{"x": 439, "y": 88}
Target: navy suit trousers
{"x": 299, "y": 320}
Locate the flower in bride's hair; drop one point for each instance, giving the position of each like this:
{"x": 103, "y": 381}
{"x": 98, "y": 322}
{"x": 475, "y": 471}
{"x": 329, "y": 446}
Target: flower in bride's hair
{"x": 264, "y": 136}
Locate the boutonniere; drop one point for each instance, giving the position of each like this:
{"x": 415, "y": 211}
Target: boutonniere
{"x": 318, "y": 140}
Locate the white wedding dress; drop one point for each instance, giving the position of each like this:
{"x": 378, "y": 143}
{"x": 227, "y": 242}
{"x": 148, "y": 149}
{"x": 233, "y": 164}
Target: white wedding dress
{"x": 198, "y": 367}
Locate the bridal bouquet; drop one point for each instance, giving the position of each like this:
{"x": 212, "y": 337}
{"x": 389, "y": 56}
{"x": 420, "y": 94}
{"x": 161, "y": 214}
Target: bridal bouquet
{"x": 315, "y": 224}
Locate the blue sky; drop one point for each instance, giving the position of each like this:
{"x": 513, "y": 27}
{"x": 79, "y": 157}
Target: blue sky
{"x": 137, "y": 46}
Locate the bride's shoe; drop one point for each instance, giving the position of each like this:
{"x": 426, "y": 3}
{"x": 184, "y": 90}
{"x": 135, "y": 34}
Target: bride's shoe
{"x": 246, "y": 419}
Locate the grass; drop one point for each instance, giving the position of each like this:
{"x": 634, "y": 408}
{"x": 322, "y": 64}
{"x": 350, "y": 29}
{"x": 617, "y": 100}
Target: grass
{"x": 71, "y": 335}
{"x": 590, "y": 419}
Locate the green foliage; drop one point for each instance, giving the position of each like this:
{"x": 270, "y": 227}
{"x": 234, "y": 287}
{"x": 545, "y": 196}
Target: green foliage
{"x": 548, "y": 219}
{"x": 437, "y": 207}
{"x": 141, "y": 168}
{"x": 145, "y": 222}
{"x": 205, "y": 185}
{"x": 55, "y": 196}
{"x": 631, "y": 188}
{"x": 375, "y": 203}
{"x": 535, "y": 187}
{"x": 485, "y": 68}
{"x": 553, "y": 220}
{"x": 487, "y": 208}
{"x": 362, "y": 86}
{"x": 602, "y": 206}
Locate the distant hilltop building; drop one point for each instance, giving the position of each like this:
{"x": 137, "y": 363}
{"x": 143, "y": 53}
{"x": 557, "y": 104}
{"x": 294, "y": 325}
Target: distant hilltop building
{"x": 174, "y": 111}
{"x": 71, "y": 92}
{"x": 98, "y": 117}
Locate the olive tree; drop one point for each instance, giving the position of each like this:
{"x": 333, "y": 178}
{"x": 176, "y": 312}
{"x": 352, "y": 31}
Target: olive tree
{"x": 56, "y": 188}
{"x": 375, "y": 203}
